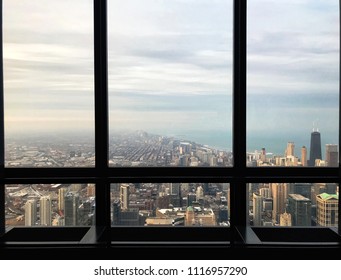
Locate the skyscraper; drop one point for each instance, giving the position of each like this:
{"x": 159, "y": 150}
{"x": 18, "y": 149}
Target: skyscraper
{"x": 45, "y": 211}
{"x": 257, "y": 209}
{"x": 116, "y": 210}
{"x": 315, "y": 148}
{"x": 30, "y": 212}
{"x": 327, "y": 209}
{"x": 61, "y": 199}
{"x": 290, "y": 151}
{"x": 124, "y": 196}
{"x": 332, "y": 155}
{"x": 300, "y": 209}
{"x": 304, "y": 156}
{"x": 71, "y": 208}
{"x": 279, "y": 194}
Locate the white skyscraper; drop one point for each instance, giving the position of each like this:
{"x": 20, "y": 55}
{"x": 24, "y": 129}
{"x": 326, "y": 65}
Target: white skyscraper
{"x": 124, "y": 196}
{"x": 200, "y": 192}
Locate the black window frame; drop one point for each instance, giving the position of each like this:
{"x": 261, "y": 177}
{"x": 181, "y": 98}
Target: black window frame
{"x": 239, "y": 233}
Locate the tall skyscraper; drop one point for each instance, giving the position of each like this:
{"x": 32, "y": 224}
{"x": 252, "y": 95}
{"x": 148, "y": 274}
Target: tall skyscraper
{"x": 315, "y": 148}
{"x": 279, "y": 194}
{"x": 45, "y": 211}
{"x": 61, "y": 198}
{"x": 332, "y": 155}
{"x": 71, "y": 208}
{"x": 257, "y": 209}
{"x": 327, "y": 209}
{"x": 124, "y": 196}
{"x": 300, "y": 209}
{"x": 116, "y": 210}
{"x": 290, "y": 151}
{"x": 304, "y": 160}
{"x": 30, "y": 212}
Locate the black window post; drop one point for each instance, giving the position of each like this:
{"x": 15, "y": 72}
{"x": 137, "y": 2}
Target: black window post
{"x": 2, "y": 135}
{"x": 101, "y": 114}
{"x": 238, "y": 188}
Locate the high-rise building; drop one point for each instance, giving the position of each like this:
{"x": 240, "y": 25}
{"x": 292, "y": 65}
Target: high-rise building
{"x": 71, "y": 203}
{"x": 290, "y": 151}
{"x": 175, "y": 189}
{"x": 304, "y": 156}
{"x": 191, "y": 197}
{"x": 257, "y": 209}
{"x": 263, "y": 155}
{"x": 199, "y": 192}
{"x": 279, "y": 194}
{"x": 327, "y": 209}
{"x": 90, "y": 190}
{"x": 30, "y": 212}
{"x": 45, "y": 211}
{"x": 315, "y": 148}
{"x": 116, "y": 210}
{"x": 223, "y": 214}
{"x": 124, "y": 196}
{"x": 302, "y": 189}
{"x": 300, "y": 209}
{"x": 332, "y": 155}
{"x": 61, "y": 198}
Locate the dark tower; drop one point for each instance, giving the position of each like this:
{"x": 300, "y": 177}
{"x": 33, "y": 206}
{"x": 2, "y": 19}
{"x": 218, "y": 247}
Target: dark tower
{"x": 315, "y": 148}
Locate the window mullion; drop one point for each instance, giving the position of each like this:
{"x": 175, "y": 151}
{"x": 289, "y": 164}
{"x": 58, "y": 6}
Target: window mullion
{"x": 238, "y": 192}
{"x": 2, "y": 134}
{"x": 339, "y": 174}
{"x": 101, "y": 113}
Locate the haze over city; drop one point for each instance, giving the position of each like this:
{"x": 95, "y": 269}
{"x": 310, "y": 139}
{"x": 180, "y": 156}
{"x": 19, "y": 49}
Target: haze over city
{"x": 170, "y": 69}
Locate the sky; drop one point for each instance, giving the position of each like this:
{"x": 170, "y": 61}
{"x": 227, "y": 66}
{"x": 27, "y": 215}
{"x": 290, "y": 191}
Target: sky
{"x": 170, "y": 68}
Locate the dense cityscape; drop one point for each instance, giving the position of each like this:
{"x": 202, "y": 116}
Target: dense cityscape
{"x": 167, "y": 204}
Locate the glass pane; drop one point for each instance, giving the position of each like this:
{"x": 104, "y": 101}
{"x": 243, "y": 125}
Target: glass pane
{"x": 48, "y": 83}
{"x": 170, "y": 72}
{"x": 293, "y": 83}
{"x": 294, "y": 204}
{"x": 170, "y": 204}
{"x": 50, "y": 205}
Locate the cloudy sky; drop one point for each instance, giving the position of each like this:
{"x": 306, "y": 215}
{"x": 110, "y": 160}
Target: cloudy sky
{"x": 170, "y": 68}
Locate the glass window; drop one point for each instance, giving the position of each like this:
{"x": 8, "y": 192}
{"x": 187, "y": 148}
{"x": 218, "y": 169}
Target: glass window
{"x": 170, "y": 90}
{"x": 170, "y": 204}
{"x": 48, "y": 83}
{"x": 32, "y": 205}
{"x": 293, "y": 83}
{"x": 293, "y": 204}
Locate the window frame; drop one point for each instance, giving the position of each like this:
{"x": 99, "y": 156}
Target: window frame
{"x": 102, "y": 175}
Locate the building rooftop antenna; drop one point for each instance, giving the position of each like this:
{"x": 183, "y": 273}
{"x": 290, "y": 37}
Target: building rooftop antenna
{"x": 315, "y": 128}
